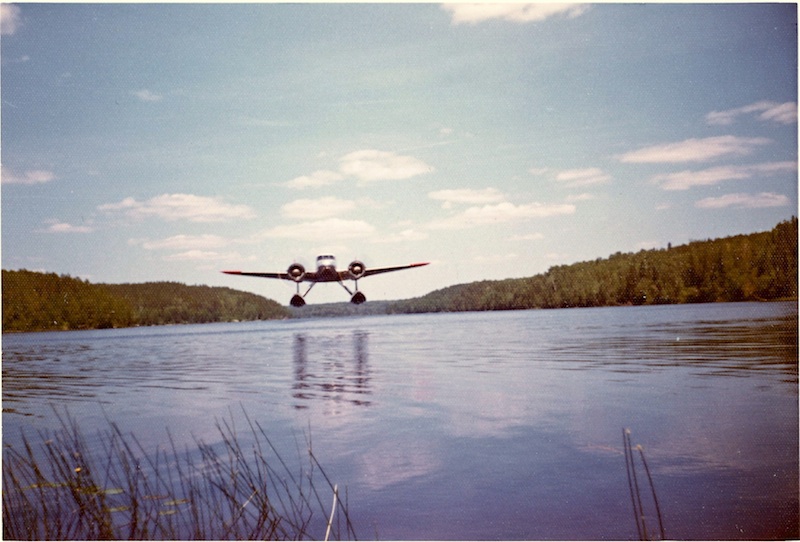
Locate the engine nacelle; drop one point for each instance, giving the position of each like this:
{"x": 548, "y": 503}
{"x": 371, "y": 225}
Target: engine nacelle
{"x": 296, "y": 272}
{"x": 356, "y": 269}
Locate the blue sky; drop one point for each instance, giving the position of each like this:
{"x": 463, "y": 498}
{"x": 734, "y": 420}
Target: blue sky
{"x": 145, "y": 142}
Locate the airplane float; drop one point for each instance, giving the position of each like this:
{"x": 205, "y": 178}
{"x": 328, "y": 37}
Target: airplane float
{"x": 326, "y": 272}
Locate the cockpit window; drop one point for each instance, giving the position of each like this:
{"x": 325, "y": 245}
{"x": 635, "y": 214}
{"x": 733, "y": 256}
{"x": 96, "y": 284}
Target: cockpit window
{"x": 326, "y": 259}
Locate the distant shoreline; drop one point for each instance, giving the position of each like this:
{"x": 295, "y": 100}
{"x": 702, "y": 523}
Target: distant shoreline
{"x": 759, "y": 267}
{"x": 335, "y": 314}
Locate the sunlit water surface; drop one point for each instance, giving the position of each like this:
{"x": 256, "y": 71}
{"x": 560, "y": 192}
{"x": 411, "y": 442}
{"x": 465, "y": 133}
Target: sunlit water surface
{"x": 501, "y": 425}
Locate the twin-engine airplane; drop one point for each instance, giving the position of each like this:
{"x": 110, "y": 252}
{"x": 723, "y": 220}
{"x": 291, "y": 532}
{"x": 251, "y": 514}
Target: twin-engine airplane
{"x": 326, "y": 272}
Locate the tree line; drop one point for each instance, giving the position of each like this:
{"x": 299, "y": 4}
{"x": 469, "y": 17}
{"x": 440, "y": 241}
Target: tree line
{"x": 158, "y": 303}
{"x": 755, "y": 267}
{"x": 46, "y": 301}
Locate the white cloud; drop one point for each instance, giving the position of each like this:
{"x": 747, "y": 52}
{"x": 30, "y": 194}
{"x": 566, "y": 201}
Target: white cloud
{"x": 783, "y": 113}
{"x": 585, "y": 196}
{"x": 315, "y": 180}
{"x": 373, "y": 165}
{"x": 201, "y": 255}
{"x": 193, "y": 248}
{"x": 185, "y": 242}
{"x": 583, "y": 177}
{"x": 365, "y": 165}
{"x": 329, "y": 228}
{"x": 404, "y": 236}
{"x": 63, "y": 227}
{"x": 317, "y": 208}
{"x": 10, "y": 19}
{"x": 746, "y": 201}
{"x": 501, "y": 213}
{"x": 147, "y": 96}
{"x": 467, "y": 195}
{"x": 694, "y": 150}
{"x": 126, "y": 204}
{"x": 34, "y": 176}
{"x": 180, "y": 207}
{"x": 516, "y": 12}
{"x": 683, "y": 180}
{"x": 371, "y": 203}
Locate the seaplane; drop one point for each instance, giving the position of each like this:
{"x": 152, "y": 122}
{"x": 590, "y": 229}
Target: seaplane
{"x": 327, "y": 272}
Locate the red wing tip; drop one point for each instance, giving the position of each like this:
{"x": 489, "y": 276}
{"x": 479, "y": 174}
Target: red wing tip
{"x": 419, "y": 264}
{"x": 232, "y": 272}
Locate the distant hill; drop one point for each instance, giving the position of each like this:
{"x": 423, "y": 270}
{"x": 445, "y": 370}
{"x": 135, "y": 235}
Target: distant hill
{"x": 755, "y": 267}
{"x": 758, "y": 266}
{"x": 46, "y": 301}
{"x": 156, "y": 303}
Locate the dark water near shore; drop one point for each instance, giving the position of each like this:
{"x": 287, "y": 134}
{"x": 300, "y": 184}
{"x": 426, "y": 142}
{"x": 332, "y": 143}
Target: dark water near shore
{"x": 502, "y": 425}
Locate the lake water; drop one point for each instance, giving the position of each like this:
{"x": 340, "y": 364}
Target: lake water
{"x": 497, "y": 425}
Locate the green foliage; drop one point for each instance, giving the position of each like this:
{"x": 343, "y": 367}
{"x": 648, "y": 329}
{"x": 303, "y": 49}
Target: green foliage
{"x": 157, "y": 303}
{"x": 46, "y": 301}
{"x": 755, "y": 267}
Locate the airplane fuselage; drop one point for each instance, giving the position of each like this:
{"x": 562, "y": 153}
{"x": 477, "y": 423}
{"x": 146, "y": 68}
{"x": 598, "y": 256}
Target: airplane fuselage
{"x": 326, "y": 269}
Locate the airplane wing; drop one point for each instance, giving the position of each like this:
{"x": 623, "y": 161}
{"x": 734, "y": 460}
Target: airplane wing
{"x": 378, "y": 270}
{"x": 309, "y": 276}
{"x": 263, "y": 275}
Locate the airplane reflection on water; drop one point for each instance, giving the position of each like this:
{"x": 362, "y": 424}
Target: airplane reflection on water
{"x": 328, "y": 373}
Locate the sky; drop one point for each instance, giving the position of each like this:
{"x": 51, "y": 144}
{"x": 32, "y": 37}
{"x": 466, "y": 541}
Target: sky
{"x": 168, "y": 142}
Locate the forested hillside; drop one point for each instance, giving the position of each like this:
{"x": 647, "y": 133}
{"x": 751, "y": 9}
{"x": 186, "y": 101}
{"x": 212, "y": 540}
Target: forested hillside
{"x": 755, "y": 267}
{"x": 157, "y": 303}
{"x": 46, "y": 301}
{"x": 759, "y": 266}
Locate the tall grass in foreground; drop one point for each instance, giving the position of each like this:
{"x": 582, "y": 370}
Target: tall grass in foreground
{"x": 636, "y": 494}
{"x": 67, "y": 489}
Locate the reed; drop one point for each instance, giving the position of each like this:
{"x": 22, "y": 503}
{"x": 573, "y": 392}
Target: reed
{"x": 67, "y": 489}
{"x": 635, "y": 491}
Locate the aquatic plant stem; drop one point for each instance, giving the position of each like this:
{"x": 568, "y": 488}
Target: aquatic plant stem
{"x": 628, "y": 468}
{"x": 333, "y": 511}
{"x": 219, "y": 492}
{"x": 636, "y": 495}
{"x": 653, "y": 490}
